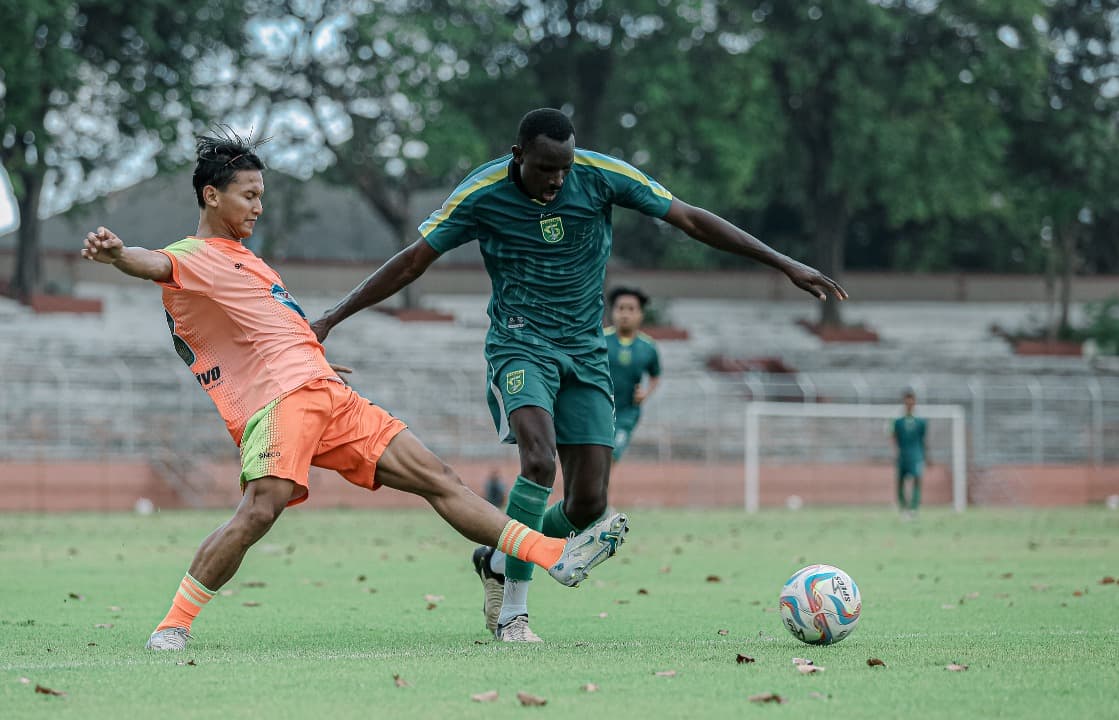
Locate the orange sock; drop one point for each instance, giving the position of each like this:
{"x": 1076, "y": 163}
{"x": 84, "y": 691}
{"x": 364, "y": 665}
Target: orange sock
{"x": 524, "y": 543}
{"x": 188, "y": 602}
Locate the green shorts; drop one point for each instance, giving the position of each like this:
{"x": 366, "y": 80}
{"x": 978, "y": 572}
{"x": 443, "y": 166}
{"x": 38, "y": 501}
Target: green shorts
{"x": 575, "y": 389}
{"x": 911, "y": 468}
{"x": 624, "y": 426}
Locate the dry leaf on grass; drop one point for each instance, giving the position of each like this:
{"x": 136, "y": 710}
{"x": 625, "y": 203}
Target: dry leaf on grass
{"x": 76, "y": 596}
{"x": 226, "y": 593}
{"x": 666, "y": 570}
{"x": 1078, "y": 593}
{"x": 251, "y": 603}
{"x": 254, "y": 584}
{"x": 1107, "y": 580}
{"x": 875, "y": 662}
{"x": 399, "y": 681}
{"x": 529, "y": 700}
{"x": 643, "y": 591}
{"x": 1006, "y": 575}
{"x": 767, "y": 698}
{"x": 114, "y": 608}
{"x": 361, "y": 578}
{"x": 665, "y": 673}
{"x": 433, "y": 598}
{"x": 91, "y": 644}
{"x": 187, "y": 662}
{"x": 714, "y": 579}
{"x": 104, "y": 626}
{"x": 24, "y": 681}
{"x": 487, "y": 696}
{"x": 371, "y": 590}
{"x": 809, "y": 669}
{"x": 723, "y": 632}
{"x": 589, "y": 687}
{"x": 956, "y": 667}
{"x": 48, "y": 691}
{"x": 743, "y": 659}
{"x": 602, "y": 615}
{"x": 802, "y": 661}
{"x": 431, "y": 606}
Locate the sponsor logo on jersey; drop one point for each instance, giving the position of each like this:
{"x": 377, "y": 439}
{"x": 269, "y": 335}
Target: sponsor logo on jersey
{"x": 284, "y": 298}
{"x": 552, "y": 229}
{"x": 514, "y": 381}
{"x": 625, "y": 356}
{"x": 209, "y": 376}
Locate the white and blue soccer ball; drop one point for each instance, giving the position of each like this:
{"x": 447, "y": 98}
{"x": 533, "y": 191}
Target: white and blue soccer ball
{"x": 820, "y": 604}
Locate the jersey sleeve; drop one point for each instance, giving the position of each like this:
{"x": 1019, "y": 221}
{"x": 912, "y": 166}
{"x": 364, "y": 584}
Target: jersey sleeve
{"x": 628, "y": 186}
{"x": 453, "y": 224}
{"x": 190, "y": 268}
{"x": 654, "y": 361}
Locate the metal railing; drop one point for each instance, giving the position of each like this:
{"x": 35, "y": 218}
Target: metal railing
{"x": 70, "y": 407}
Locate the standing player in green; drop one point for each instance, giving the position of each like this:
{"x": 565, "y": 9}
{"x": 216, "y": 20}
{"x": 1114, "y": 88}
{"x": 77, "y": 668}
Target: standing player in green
{"x": 909, "y": 438}
{"x": 633, "y": 358}
{"x": 542, "y": 216}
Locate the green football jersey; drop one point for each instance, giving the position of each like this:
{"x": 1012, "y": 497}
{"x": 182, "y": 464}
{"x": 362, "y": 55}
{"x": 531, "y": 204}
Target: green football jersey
{"x": 630, "y": 361}
{"x": 910, "y": 434}
{"x": 546, "y": 261}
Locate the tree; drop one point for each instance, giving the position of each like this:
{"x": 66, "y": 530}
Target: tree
{"x": 83, "y": 82}
{"x": 879, "y": 105}
{"x": 353, "y": 91}
{"x": 1066, "y": 146}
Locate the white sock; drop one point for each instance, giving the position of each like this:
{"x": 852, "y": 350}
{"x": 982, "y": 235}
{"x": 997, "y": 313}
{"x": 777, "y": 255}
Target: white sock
{"x": 515, "y": 601}
{"x": 497, "y": 562}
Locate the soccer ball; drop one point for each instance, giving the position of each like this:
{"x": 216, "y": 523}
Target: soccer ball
{"x": 820, "y": 604}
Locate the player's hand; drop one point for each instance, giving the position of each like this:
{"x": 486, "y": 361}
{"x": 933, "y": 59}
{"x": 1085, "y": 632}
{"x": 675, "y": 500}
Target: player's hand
{"x": 639, "y": 395}
{"x": 341, "y": 370}
{"x": 103, "y": 246}
{"x": 321, "y": 329}
{"x": 813, "y": 281}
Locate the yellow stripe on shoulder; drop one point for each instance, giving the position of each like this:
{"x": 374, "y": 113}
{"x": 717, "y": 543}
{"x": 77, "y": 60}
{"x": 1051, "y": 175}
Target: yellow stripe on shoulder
{"x": 186, "y": 246}
{"x": 610, "y": 330}
{"x": 605, "y": 162}
{"x": 479, "y": 182}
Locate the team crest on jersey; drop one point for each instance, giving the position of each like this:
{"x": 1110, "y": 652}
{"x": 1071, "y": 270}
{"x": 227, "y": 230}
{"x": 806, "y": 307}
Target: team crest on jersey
{"x": 284, "y": 298}
{"x": 552, "y": 229}
{"x": 625, "y": 357}
{"x": 514, "y": 381}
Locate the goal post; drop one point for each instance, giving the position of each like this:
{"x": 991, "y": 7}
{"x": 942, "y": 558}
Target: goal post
{"x": 757, "y": 412}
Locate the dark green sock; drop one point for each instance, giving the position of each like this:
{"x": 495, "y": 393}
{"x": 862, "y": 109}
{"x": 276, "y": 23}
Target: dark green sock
{"x": 556, "y": 523}
{"x": 527, "y": 501}
{"x": 915, "y": 498}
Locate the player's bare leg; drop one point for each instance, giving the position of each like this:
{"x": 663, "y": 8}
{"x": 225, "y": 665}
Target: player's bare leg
{"x": 219, "y": 556}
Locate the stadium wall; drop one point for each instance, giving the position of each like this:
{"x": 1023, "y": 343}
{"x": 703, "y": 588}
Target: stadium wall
{"x": 47, "y": 486}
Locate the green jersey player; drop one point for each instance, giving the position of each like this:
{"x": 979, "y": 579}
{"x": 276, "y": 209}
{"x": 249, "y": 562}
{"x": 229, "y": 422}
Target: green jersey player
{"x": 542, "y": 218}
{"x": 909, "y": 438}
{"x": 635, "y": 365}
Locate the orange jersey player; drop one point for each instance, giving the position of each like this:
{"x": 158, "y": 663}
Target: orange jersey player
{"x": 250, "y": 348}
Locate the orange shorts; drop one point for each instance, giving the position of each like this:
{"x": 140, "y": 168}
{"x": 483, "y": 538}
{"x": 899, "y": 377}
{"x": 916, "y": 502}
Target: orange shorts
{"x": 323, "y": 423}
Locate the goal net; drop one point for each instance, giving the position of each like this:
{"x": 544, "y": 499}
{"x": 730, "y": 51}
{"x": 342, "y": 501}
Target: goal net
{"x": 841, "y": 453}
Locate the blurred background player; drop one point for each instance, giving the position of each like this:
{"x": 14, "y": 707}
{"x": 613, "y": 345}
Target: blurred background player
{"x": 249, "y": 346}
{"x": 635, "y": 365}
{"x": 909, "y": 438}
{"x": 542, "y": 216}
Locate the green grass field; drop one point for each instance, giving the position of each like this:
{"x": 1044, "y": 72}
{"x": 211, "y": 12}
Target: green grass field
{"x": 332, "y": 604}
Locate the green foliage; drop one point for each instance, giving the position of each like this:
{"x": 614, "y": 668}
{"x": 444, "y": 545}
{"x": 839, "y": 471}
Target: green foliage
{"x": 1102, "y": 325}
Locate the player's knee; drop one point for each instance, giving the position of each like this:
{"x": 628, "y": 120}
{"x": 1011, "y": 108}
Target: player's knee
{"x": 253, "y": 521}
{"x": 539, "y": 466}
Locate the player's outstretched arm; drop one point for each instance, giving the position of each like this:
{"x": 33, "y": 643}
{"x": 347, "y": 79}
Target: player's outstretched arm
{"x": 400, "y": 270}
{"x": 104, "y": 246}
{"x": 710, "y": 229}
